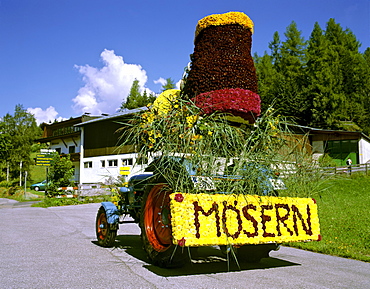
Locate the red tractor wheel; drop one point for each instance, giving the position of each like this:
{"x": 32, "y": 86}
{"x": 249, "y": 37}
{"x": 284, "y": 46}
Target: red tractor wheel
{"x": 156, "y": 231}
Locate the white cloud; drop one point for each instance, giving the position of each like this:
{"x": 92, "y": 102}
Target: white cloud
{"x": 160, "y": 81}
{"x": 46, "y": 115}
{"x": 106, "y": 88}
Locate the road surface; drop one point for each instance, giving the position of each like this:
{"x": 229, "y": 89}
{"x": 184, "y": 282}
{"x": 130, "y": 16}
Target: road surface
{"x": 55, "y": 248}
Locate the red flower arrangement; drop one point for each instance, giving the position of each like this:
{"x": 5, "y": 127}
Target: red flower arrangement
{"x": 237, "y": 101}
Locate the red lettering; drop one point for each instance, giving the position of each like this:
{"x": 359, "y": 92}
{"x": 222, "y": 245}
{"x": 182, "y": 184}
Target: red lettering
{"x": 198, "y": 209}
{"x": 265, "y": 219}
{"x": 307, "y": 228}
{"x": 250, "y": 218}
{"x": 281, "y": 219}
{"x": 233, "y": 208}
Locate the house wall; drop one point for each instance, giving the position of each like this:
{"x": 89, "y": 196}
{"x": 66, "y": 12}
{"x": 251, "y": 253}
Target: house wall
{"x": 100, "y": 168}
{"x": 364, "y": 151}
{"x": 64, "y": 146}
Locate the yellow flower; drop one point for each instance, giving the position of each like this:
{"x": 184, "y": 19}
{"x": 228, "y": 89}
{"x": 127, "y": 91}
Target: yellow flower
{"x": 152, "y": 140}
{"x": 196, "y": 137}
{"x": 224, "y": 19}
{"x": 164, "y": 102}
{"x": 220, "y": 219}
{"x": 210, "y": 132}
{"x": 190, "y": 120}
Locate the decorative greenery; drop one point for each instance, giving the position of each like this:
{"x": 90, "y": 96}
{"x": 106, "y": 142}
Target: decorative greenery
{"x": 208, "y": 143}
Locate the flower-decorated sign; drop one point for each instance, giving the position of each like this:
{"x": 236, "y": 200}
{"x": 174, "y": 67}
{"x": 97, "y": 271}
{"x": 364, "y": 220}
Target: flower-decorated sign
{"x": 222, "y": 219}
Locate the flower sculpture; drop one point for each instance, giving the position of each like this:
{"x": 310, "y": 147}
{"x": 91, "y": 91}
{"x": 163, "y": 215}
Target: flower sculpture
{"x": 222, "y": 61}
{"x": 237, "y": 101}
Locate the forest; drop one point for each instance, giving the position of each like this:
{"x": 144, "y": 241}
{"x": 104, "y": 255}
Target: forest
{"x": 322, "y": 82}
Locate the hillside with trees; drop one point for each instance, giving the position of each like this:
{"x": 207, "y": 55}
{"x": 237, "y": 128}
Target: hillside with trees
{"x": 322, "y": 82}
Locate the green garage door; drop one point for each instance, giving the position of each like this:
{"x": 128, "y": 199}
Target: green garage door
{"x": 341, "y": 150}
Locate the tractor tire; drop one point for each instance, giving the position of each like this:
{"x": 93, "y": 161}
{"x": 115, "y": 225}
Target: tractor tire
{"x": 105, "y": 233}
{"x": 156, "y": 231}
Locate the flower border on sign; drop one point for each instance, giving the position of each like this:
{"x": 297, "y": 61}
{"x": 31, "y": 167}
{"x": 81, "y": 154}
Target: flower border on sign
{"x": 222, "y": 219}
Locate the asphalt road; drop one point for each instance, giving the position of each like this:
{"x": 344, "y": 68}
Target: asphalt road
{"x": 55, "y": 248}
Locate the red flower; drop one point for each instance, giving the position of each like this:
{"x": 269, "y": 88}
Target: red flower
{"x": 181, "y": 242}
{"x": 237, "y": 101}
{"x": 179, "y": 198}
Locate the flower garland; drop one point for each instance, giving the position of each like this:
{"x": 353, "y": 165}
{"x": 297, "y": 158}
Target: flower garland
{"x": 224, "y": 19}
{"x": 236, "y": 101}
{"x": 222, "y": 219}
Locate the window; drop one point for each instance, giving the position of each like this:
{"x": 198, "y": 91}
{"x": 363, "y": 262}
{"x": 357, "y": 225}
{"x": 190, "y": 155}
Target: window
{"x": 58, "y": 150}
{"x": 102, "y": 163}
{"x": 112, "y": 163}
{"x": 71, "y": 149}
{"x": 87, "y": 165}
{"x": 127, "y": 162}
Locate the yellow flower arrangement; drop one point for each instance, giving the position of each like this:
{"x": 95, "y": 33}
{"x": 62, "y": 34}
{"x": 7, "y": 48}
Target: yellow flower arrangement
{"x": 222, "y": 219}
{"x": 165, "y": 101}
{"x": 224, "y": 19}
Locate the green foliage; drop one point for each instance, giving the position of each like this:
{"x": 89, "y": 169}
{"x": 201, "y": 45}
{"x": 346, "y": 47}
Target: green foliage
{"x": 135, "y": 99}
{"x": 57, "y": 202}
{"x": 17, "y": 135}
{"x": 321, "y": 82}
{"x": 344, "y": 218}
{"x": 168, "y": 85}
{"x": 60, "y": 173}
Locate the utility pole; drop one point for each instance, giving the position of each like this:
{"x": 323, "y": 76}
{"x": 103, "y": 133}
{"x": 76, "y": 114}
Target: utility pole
{"x": 20, "y": 174}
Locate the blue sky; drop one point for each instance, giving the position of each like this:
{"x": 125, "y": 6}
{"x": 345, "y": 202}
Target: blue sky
{"x": 61, "y": 58}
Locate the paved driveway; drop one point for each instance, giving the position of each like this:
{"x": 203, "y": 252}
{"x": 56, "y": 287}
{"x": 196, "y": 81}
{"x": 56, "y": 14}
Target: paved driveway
{"x": 55, "y": 248}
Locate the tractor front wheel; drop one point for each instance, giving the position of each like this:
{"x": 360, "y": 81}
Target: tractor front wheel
{"x": 105, "y": 233}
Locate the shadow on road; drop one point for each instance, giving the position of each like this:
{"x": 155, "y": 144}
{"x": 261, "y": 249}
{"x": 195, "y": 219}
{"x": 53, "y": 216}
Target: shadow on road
{"x": 208, "y": 260}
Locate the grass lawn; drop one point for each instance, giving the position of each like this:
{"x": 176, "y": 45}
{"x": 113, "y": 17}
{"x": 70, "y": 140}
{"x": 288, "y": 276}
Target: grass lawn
{"x": 343, "y": 204}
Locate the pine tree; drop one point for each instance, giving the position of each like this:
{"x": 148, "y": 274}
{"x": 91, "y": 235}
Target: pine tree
{"x": 168, "y": 85}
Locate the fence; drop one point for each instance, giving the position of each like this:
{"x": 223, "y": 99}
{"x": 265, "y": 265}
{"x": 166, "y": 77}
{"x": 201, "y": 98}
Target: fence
{"x": 287, "y": 169}
{"x": 347, "y": 169}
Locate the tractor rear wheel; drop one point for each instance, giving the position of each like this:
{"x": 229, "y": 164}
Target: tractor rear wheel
{"x": 156, "y": 231}
{"x": 105, "y": 233}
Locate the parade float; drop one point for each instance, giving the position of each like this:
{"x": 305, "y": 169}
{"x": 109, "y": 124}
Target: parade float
{"x": 212, "y": 181}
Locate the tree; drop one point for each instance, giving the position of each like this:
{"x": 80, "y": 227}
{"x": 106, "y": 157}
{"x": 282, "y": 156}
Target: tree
{"x": 18, "y": 133}
{"x": 168, "y": 85}
{"x": 281, "y": 77}
{"x": 60, "y": 173}
{"x": 135, "y": 99}
{"x": 323, "y": 83}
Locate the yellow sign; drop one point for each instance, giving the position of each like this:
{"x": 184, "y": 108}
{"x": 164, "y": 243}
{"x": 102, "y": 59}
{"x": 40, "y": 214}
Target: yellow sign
{"x": 222, "y": 219}
{"x": 125, "y": 171}
{"x": 43, "y": 159}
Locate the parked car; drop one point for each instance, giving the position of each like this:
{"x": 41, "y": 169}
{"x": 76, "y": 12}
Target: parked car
{"x": 39, "y": 186}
